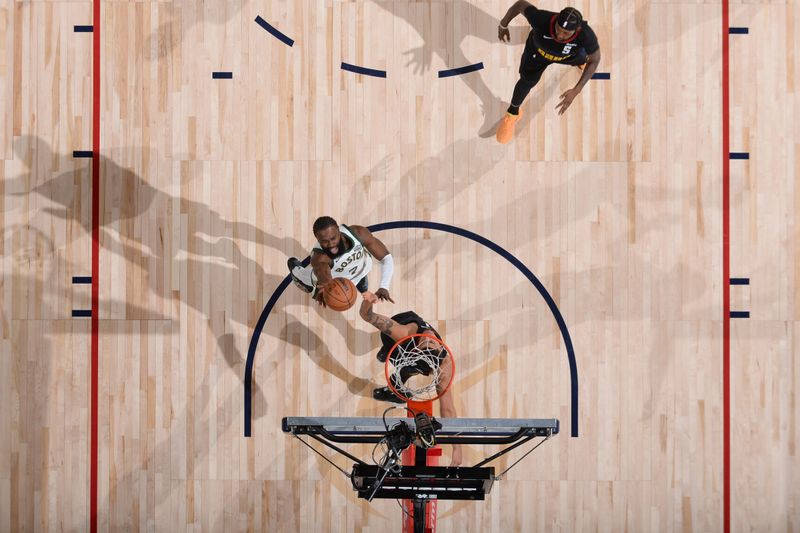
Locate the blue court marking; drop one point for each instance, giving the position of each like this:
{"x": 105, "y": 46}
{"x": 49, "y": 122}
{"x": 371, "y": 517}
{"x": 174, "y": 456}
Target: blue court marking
{"x": 421, "y": 224}
{"x": 601, "y": 76}
{"x": 82, "y": 153}
{"x": 81, "y": 313}
{"x": 82, "y": 280}
{"x": 460, "y": 70}
{"x": 274, "y": 31}
{"x": 740, "y": 281}
{"x": 83, "y": 29}
{"x": 740, "y": 155}
{"x": 222, "y": 75}
{"x": 740, "y": 314}
{"x": 363, "y": 70}
{"x": 738, "y": 31}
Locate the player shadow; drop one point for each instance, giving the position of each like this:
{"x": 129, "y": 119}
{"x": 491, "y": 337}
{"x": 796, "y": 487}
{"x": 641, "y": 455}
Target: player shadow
{"x": 298, "y": 334}
{"x": 210, "y": 243}
{"x": 170, "y": 33}
{"x": 36, "y": 271}
{"x": 416, "y": 180}
{"x": 480, "y": 24}
{"x": 654, "y": 31}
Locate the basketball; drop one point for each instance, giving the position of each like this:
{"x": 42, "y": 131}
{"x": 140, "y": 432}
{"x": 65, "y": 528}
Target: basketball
{"x": 340, "y": 294}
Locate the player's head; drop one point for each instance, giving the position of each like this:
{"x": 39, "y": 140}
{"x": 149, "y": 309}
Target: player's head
{"x": 326, "y": 230}
{"x": 567, "y": 23}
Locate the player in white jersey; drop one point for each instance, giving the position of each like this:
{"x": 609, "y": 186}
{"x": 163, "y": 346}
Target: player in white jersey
{"x": 342, "y": 252}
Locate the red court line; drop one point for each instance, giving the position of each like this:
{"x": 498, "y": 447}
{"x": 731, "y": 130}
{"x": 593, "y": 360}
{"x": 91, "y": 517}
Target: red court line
{"x": 95, "y": 259}
{"x": 726, "y": 280}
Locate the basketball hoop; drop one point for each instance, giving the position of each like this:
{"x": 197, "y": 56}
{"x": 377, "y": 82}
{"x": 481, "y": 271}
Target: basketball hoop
{"x": 419, "y": 368}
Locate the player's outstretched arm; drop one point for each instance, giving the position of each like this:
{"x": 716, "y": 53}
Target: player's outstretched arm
{"x": 592, "y": 61}
{"x": 321, "y": 266}
{"x": 378, "y": 250}
{"x": 382, "y": 323}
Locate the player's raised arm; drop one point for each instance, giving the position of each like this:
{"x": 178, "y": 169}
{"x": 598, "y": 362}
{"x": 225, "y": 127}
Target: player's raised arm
{"x": 379, "y": 251}
{"x": 321, "y": 266}
{"x": 515, "y": 9}
{"x": 384, "y": 324}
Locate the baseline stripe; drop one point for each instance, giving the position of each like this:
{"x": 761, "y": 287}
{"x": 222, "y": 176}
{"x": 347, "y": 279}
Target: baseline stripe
{"x": 726, "y": 275}
{"x": 95, "y": 263}
{"x": 419, "y": 224}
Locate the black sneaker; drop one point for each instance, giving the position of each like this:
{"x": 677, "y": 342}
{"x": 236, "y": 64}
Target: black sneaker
{"x": 385, "y": 394}
{"x": 383, "y": 353}
{"x": 293, "y": 263}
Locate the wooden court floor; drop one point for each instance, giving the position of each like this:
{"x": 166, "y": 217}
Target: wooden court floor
{"x": 207, "y": 186}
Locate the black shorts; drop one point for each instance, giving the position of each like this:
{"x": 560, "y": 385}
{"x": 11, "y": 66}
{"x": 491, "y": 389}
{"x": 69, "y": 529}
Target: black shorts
{"x": 531, "y": 70}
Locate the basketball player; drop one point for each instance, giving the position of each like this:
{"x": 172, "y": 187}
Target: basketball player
{"x": 342, "y": 252}
{"x": 392, "y": 330}
{"x": 563, "y": 38}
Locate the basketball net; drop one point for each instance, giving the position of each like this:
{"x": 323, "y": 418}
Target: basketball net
{"x": 414, "y": 372}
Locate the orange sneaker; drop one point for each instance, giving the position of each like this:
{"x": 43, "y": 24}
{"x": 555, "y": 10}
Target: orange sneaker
{"x": 505, "y": 132}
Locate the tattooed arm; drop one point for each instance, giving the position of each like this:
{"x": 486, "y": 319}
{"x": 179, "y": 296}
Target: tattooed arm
{"x": 384, "y": 324}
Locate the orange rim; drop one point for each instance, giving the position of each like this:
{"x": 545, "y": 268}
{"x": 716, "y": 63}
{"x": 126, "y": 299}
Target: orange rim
{"x": 389, "y": 357}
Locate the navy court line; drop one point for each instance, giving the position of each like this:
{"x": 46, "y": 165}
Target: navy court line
{"x": 82, "y": 280}
{"x": 562, "y": 326}
{"x": 222, "y": 75}
{"x": 738, "y": 31}
{"x": 82, "y": 153}
{"x": 740, "y": 314}
{"x": 363, "y": 70}
{"x": 460, "y": 70}
{"x": 83, "y": 29}
{"x": 274, "y": 31}
{"x": 740, "y": 281}
{"x": 81, "y": 313}
{"x": 601, "y": 76}
{"x": 739, "y": 155}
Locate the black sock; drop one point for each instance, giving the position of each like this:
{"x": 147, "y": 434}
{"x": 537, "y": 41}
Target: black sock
{"x": 513, "y": 109}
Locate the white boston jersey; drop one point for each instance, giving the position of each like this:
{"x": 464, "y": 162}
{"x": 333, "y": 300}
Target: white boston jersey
{"x": 354, "y": 264}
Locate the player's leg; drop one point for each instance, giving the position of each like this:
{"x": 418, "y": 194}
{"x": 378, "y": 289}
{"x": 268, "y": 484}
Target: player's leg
{"x": 301, "y": 276}
{"x": 530, "y": 73}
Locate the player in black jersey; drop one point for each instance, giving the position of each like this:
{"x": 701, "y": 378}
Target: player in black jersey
{"x": 563, "y": 38}
{"x": 394, "y": 329}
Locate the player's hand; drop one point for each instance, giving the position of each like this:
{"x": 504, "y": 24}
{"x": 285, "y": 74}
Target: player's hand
{"x": 566, "y": 99}
{"x": 456, "y": 459}
{"x": 420, "y": 58}
{"x": 321, "y": 288}
{"x": 383, "y": 294}
{"x": 369, "y": 297}
{"x": 319, "y": 297}
{"x": 503, "y": 34}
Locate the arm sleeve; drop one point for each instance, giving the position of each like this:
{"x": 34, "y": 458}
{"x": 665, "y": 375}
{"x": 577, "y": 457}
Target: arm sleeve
{"x": 387, "y": 269}
{"x": 529, "y": 13}
{"x": 590, "y": 43}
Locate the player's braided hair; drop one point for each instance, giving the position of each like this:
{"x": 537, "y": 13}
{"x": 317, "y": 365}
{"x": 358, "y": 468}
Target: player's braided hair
{"x": 570, "y": 15}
